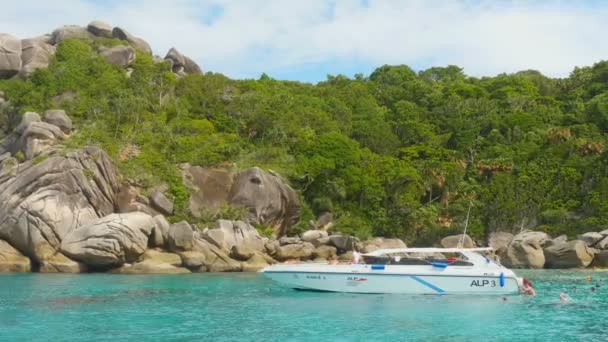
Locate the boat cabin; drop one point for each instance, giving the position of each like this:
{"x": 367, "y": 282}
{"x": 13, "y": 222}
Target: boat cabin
{"x": 425, "y": 256}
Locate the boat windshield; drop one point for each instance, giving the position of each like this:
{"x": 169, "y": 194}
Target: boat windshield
{"x": 418, "y": 258}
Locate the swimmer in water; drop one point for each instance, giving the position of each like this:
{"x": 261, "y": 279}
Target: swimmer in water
{"x": 527, "y": 288}
{"x": 588, "y": 278}
{"x": 564, "y": 297}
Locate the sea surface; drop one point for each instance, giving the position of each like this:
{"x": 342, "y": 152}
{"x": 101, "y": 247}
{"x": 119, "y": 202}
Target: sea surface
{"x": 248, "y": 307}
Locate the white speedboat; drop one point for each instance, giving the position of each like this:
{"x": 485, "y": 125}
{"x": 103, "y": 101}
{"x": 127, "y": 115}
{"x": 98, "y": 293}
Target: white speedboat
{"x": 404, "y": 270}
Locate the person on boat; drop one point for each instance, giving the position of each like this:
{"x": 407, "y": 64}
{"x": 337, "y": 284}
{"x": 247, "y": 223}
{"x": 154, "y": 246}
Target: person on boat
{"x": 356, "y": 257}
{"x": 527, "y": 288}
{"x": 332, "y": 261}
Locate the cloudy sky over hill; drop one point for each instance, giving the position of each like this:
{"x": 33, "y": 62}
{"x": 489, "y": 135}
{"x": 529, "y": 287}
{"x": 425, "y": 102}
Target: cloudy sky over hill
{"x": 306, "y": 40}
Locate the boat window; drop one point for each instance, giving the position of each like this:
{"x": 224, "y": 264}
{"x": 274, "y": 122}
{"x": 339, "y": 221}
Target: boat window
{"x": 412, "y": 259}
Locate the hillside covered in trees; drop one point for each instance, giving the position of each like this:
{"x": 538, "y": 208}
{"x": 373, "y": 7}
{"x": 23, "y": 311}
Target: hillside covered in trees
{"x": 396, "y": 153}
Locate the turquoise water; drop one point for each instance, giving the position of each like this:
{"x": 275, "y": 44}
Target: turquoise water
{"x": 248, "y": 307}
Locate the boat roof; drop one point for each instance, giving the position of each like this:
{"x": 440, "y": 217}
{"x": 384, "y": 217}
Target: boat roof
{"x": 427, "y": 250}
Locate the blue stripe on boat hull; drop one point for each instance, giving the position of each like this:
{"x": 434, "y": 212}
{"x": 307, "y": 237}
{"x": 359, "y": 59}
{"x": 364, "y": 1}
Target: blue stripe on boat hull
{"x": 427, "y": 284}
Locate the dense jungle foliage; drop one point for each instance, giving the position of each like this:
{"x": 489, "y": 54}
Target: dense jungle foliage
{"x": 399, "y": 153}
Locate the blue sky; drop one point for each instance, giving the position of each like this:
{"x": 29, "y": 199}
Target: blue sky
{"x": 306, "y": 40}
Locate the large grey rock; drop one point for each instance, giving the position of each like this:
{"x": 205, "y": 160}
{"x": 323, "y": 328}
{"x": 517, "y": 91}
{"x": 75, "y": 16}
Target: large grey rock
{"x": 69, "y": 32}
{"x": 590, "y": 238}
{"x": 601, "y": 259}
{"x": 59, "y": 263}
{"x": 526, "y": 250}
{"x": 26, "y": 119}
{"x": 313, "y": 235}
{"x": 323, "y": 222}
{"x": 128, "y": 200}
{"x": 181, "y": 63}
{"x": 192, "y": 259}
{"x": 35, "y": 54}
{"x": 57, "y": 117}
{"x": 241, "y": 253}
{"x": 136, "y": 42}
{"x": 31, "y": 137}
{"x": 343, "y": 243}
{"x": 160, "y": 232}
{"x": 289, "y": 240}
{"x": 216, "y": 260}
{"x": 227, "y": 234}
{"x": 572, "y": 254}
{"x": 150, "y": 266}
{"x": 11, "y": 260}
{"x": 43, "y": 200}
{"x": 121, "y": 56}
{"x": 180, "y": 237}
{"x": 209, "y": 187}
{"x": 109, "y": 241}
{"x": 500, "y": 241}
{"x": 161, "y": 257}
{"x": 272, "y": 247}
{"x": 453, "y": 240}
{"x": 100, "y": 29}
{"x": 381, "y": 243}
{"x": 161, "y": 203}
{"x": 303, "y": 251}
{"x": 325, "y": 252}
{"x": 602, "y": 244}
{"x": 558, "y": 240}
{"x": 10, "y": 55}
{"x": 37, "y": 138}
{"x": 255, "y": 263}
{"x": 269, "y": 200}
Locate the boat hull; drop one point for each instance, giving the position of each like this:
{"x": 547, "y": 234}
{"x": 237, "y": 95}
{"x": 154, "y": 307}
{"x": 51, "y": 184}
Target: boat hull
{"x": 357, "y": 280}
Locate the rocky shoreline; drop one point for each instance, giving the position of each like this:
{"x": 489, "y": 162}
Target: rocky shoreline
{"x": 71, "y": 212}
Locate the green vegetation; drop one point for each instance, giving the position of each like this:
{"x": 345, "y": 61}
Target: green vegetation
{"x": 398, "y": 153}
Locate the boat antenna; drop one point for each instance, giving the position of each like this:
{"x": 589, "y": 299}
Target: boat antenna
{"x": 466, "y": 224}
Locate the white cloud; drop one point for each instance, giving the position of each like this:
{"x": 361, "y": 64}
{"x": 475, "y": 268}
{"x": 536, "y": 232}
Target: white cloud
{"x": 250, "y": 37}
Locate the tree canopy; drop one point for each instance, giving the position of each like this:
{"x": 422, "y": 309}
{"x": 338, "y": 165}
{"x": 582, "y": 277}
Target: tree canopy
{"x": 399, "y": 153}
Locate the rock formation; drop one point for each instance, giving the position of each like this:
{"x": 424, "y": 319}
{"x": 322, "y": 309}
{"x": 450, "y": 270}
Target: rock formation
{"x": 23, "y": 57}
{"x": 180, "y": 237}
{"x": 572, "y": 254}
{"x": 69, "y": 32}
{"x": 526, "y": 250}
{"x": 10, "y": 55}
{"x": 181, "y": 64}
{"x": 381, "y": 243}
{"x": 269, "y": 200}
{"x": 228, "y": 234}
{"x": 36, "y": 53}
{"x": 45, "y": 200}
{"x": 136, "y": 42}
{"x": 500, "y": 242}
{"x": 11, "y": 260}
{"x": 119, "y": 55}
{"x": 452, "y": 241}
{"x": 109, "y": 241}
{"x": 100, "y": 29}
{"x": 209, "y": 187}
